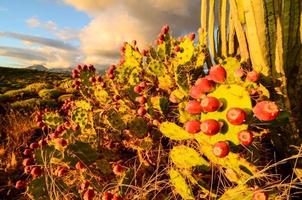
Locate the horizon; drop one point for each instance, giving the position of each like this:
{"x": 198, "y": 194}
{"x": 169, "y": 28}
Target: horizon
{"x": 63, "y": 33}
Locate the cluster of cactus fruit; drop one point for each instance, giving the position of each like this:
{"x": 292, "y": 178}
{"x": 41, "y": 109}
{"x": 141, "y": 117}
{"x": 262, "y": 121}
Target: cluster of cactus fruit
{"x": 126, "y": 115}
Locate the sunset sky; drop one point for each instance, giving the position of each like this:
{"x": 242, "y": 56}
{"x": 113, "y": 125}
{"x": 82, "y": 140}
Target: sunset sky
{"x": 62, "y": 33}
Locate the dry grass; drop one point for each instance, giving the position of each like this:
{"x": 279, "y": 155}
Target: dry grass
{"x": 15, "y": 133}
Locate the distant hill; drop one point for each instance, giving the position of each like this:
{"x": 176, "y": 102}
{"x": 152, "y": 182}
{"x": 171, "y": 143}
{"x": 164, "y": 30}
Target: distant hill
{"x": 37, "y": 67}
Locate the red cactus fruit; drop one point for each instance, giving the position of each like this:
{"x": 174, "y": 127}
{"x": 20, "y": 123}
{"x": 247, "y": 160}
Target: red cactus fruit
{"x": 192, "y": 126}
{"x": 27, "y": 161}
{"x": 117, "y": 169}
{"x": 260, "y": 195}
{"x": 177, "y": 48}
{"x": 210, "y": 104}
{"x": 27, "y": 169}
{"x": 239, "y": 72}
{"x": 27, "y": 152}
{"x": 42, "y": 142}
{"x": 84, "y": 185}
{"x": 20, "y": 184}
{"x": 196, "y": 92}
{"x": 88, "y": 194}
{"x": 140, "y": 99}
{"x": 266, "y": 110}
{"x": 221, "y": 149}
{"x": 91, "y": 68}
{"x": 253, "y": 76}
{"x": 141, "y": 111}
{"x": 210, "y": 127}
{"x": 62, "y": 171}
{"x": 92, "y": 79}
{"x": 85, "y": 68}
{"x": 217, "y": 74}
{"x": 34, "y": 145}
{"x": 36, "y": 171}
{"x": 79, "y": 165}
{"x": 245, "y": 137}
{"x": 191, "y": 36}
{"x": 202, "y": 85}
{"x": 143, "y": 84}
{"x": 236, "y": 116}
{"x": 194, "y": 107}
{"x": 117, "y": 197}
{"x": 79, "y": 67}
{"x": 137, "y": 89}
{"x": 165, "y": 29}
{"x": 107, "y": 196}
{"x": 62, "y": 142}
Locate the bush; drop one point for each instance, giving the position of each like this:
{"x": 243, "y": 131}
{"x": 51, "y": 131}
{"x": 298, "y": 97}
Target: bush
{"x": 36, "y": 87}
{"x": 50, "y": 93}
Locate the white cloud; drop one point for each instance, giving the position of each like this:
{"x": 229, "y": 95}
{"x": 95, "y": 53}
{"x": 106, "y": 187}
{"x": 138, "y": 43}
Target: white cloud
{"x": 114, "y": 22}
{"x": 65, "y": 33}
{"x": 33, "y": 22}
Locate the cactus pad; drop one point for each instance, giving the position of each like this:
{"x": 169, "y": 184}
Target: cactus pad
{"x": 186, "y": 157}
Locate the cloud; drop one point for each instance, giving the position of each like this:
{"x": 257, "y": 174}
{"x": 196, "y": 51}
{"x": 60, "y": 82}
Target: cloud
{"x": 33, "y": 22}
{"x": 114, "y": 22}
{"x": 90, "y": 6}
{"x": 21, "y": 53}
{"x": 39, "y": 40}
{"x": 61, "y": 33}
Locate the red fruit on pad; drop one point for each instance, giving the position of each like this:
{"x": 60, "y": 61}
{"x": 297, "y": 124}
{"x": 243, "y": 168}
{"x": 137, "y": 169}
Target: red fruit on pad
{"x": 210, "y": 127}
{"x": 245, "y": 137}
{"x": 202, "y": 86}
{"x": 210, "y": 104}
{"x": 217, "y": 74}
{"x": 236, "y": 116}
{"x": 192, "y": 126}
{"x": 253, "y": 76}
{"x": 266, "y": 110}
{"x": 221, "y": 149}
{"x": 193, "y": 107}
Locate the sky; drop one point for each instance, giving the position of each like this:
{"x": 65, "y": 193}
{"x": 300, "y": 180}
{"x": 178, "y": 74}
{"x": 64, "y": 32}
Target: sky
{"x": 63, "y": 33}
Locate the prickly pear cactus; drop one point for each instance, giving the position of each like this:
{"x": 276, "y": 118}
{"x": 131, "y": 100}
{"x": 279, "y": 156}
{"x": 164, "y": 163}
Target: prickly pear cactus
{"x": 133, "y": 127}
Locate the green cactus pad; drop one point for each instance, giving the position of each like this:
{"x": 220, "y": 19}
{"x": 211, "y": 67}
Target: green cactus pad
{"x": 44, "y": 155}
{"x": 231, "y": 65}
{"x": 83, "y": 104}
{"x": 80, "y": 117}
{"x": 115, "y": 120}
{"x": 37, "y": 189}
{"x": 181, "y": 78}
{"x": 237, "y": 192}
{"x": 233, "y": 161}
{"x": 104, "y": 166}
{"x": 132, "y": 58}
{"x": 160, "y": 103}
{"x": 165, "y": 82}
{"x": 174, "y": 132}
{"x": 180, "y": 185}
{"x": 231, "y": 96}
{"x": 80, "y": 151}
{"x": 101, "y": 94}
{"x": 138, "y": 126}
{"x": 187, "y": 52}
{"x": 156, "y": 68}
{"x": 241, "y": 167}
{"x": 52, "y": 119}
{"x": 186, "y": 157}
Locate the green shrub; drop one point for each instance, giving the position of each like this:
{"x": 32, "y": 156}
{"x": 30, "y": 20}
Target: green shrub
{"x": 50, "y": 93}
{"x": 36, "y": 87}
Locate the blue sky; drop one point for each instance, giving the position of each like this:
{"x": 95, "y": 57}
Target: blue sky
{"x": 61, "y": 33}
